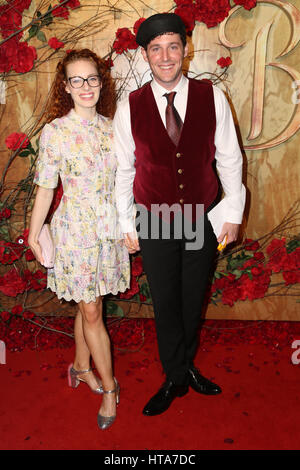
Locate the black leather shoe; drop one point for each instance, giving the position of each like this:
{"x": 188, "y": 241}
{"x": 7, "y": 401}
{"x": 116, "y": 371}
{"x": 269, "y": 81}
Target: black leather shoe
{"x": 161, "y": 401}
{"x": 202, "y": 385}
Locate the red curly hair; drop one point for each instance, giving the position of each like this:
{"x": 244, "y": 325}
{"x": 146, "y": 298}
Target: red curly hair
{"x": 60, "y": 102}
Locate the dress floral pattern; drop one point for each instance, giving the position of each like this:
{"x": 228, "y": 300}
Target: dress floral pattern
{"x": 91, "y": 258}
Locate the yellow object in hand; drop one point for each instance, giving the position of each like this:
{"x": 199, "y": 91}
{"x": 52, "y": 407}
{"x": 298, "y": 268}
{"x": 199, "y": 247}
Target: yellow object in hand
{"x": 222, "y": 245}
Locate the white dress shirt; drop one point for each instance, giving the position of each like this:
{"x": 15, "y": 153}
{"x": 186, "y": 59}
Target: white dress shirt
{"x": 228, "y": 156}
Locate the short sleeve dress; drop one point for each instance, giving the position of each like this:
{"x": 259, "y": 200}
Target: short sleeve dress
{"x": 91, "y": 258}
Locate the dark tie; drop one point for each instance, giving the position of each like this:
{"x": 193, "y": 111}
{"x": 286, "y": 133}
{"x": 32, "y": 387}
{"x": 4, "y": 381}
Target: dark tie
{"x": 173, "y": 121}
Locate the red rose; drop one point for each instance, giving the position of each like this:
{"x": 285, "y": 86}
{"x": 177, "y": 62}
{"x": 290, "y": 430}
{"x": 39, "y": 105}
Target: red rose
{"x": 247, "y": 4}
{"x": 291, "y": 277}
{"x": 10, "y": 252}
{"x": 220, "y": 283}
{"x": 27, "y": 315}
{"x": 211, "y": 12}
{"x": 21, "y": 5}
{"x": 231, "y": 277}
{"x": 230, "y": 295}
{"x": 109, "y": 63}
{"x": 249, "y": 263}
{"x": 187, "y": 13}
{"x": 251, "y": 245}
{"x": 61, "y": 12}
{"x": 71, "y": 4}
{"x": 10, "y": 21}
{"x": 5, "y": 315}
{"x": 124, "y": 40}
{"x": 137, "y": 24}
{"x": 29, "y": 256}
{"x": 292, "y": 261}
{"x": 8, "y": 51}
{"x": 39, "y": 274}
{"x": 278, "y": 260}
{"x": 5, "y": 63}
{"x": 184, "y": 2}
{"x": 5, "y": 214}
{"x": 224, "y": 62}
{"x": 12, "y": 284}
{"x": 258, "y": 255}
{"x": 255, "y": 288}
{"x": 36, "y": 281}
{"x": 134, "y": 289}
{"x": 25, "y": 57}
{"x": 17, "y": 310}
{"x": 256, "y": 270}
{"x": 137, "y": 266}
{"x": 16, "y": 140}
{"x": 275, "y": 244}
{"x": 55, "y": 43}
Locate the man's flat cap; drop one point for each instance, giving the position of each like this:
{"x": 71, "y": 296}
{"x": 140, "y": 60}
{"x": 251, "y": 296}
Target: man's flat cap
{"x": 159, "y": 24}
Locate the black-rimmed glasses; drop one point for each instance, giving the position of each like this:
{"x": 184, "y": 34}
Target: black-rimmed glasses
{"x": 78, "y": 82}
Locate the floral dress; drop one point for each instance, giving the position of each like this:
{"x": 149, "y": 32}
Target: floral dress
{"x": 91, "y": 258}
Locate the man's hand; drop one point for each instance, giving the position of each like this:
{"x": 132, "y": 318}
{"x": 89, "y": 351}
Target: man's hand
{"x": 131, "y": 242}
{"x": 231, "y": 230}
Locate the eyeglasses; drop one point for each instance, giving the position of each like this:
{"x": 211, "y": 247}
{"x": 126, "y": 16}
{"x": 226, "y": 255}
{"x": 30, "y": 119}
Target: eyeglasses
{"x": 78, "y": 82}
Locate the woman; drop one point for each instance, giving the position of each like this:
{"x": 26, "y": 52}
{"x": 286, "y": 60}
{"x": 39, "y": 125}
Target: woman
{"x": 91, "y": 260}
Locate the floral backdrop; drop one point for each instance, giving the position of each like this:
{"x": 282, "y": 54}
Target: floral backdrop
{"x": 31, "y": 37}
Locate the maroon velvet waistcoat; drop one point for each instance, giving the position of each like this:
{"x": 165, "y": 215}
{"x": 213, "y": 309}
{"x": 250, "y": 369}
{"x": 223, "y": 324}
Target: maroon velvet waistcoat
{"x": 166, "y": 173}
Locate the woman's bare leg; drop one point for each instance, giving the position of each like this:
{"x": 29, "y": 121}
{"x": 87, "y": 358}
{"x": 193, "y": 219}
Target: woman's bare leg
{"x": 82, "y": 353}
{"x": 98, "y": 344}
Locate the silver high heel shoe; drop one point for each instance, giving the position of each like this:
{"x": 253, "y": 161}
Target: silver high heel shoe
{"x": 104, "y": 422}
{"x": 74, "y": 380}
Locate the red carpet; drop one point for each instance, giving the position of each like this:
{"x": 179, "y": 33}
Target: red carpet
{"x": 258, "y": 409}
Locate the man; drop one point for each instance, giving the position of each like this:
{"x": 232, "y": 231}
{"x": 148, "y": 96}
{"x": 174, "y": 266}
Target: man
{"x": 166, "y": 145}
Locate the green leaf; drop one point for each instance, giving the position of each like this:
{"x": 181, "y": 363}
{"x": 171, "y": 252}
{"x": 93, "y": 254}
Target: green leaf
{"x": 24, "y": 153}
{"x": 32, "y": 31}
{"x": 237, "y": 273}
{"x": 41, "y": 36}
{"x": 292, "y": 245}
{"x": 112, "y": 308}
{"x": 30, "y": 148}
{"x": 48, "y": 18}
{"x": 145, "y": 290}
{"x": 38, "y": 14}
{"x": 4, "y": 232}
{"x": 238, "y": 261}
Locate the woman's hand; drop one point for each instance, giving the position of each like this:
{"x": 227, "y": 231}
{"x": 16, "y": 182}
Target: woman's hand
{"x": 40, "y": 210}
{"x": 36, "y": 250}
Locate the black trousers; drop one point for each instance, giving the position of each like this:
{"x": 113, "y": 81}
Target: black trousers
{"x": 177, "y": 278}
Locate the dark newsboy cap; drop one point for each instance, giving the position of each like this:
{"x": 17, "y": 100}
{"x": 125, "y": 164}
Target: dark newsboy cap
{"x": 159, "y": 24}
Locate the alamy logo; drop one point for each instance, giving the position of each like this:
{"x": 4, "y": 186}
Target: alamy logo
{"x": 296, "y": 355}
{"x": 187, "y": 224}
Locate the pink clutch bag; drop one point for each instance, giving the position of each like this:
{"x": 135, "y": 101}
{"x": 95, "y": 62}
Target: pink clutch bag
{"x": 46, "y": 242}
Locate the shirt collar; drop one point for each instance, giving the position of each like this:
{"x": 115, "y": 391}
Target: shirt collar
{"x": 85, "y": 122}
{"x": 159, "y": 90}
